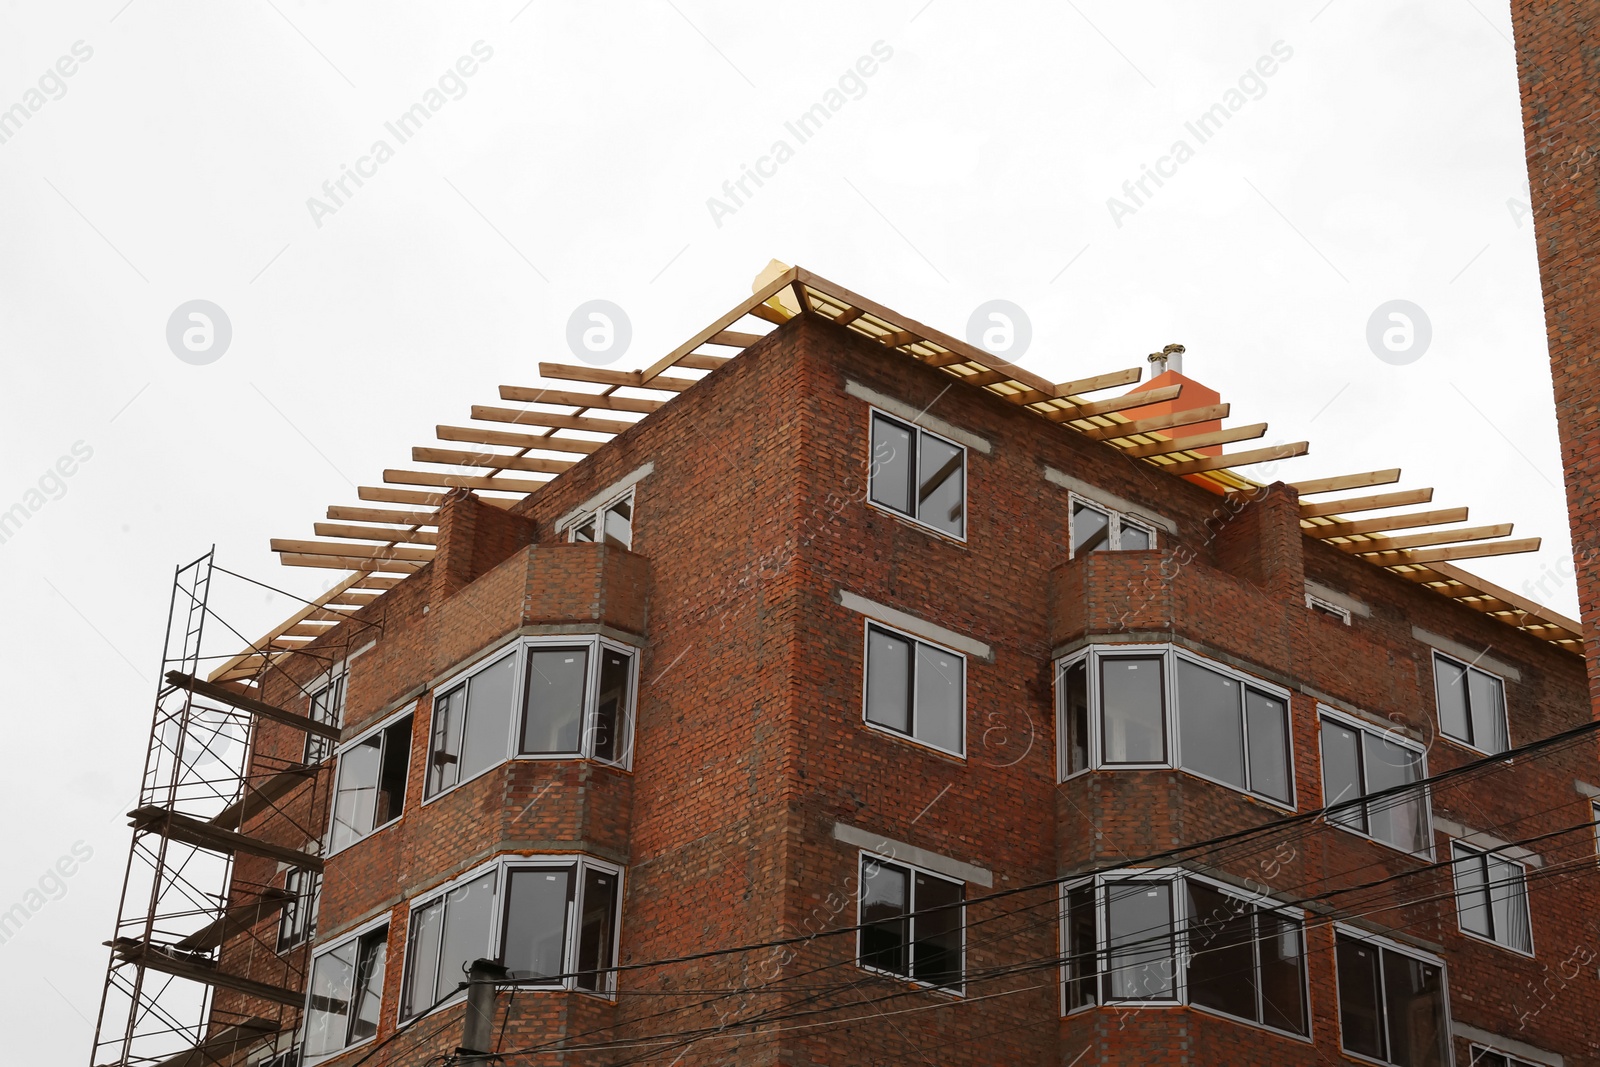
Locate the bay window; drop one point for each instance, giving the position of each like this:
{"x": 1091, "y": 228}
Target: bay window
{"x": 346, "y": 992}
{"x": 1391, "y": 1002}
{"x": 918, "y": 474}
{"x": 1359, "y": 759}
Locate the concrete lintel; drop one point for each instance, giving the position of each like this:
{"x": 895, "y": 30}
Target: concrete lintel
{"x": 891, "y": 849}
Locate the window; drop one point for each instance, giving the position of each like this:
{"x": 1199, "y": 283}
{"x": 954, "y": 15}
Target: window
{"x": 574, "y": 698}
{"x": 327, "y": 706}
{"x": 369, "y": 789}
{"x": 1492, "y": 898}
{"x": 346, "y": 993}
{"x": 297, "y": 922}
{"x": 1358, "y": 760}
{"x": 1328, "y": 608}
{"x": 918, "y": 474}
{"x": 1488, "y": 1057}
{"x": 610, "y": 524}
{"x": 1391, "y": 1003}
{"x": 1117, "y": 706}
{"x": 1098, "y": 529}
{"x": 555, "y": 919}
{"x": 1472, "y": 705}
{"x": 911, "y": 923}
{"x": 916, "y": 689}
{"x": 1175, "y": 938}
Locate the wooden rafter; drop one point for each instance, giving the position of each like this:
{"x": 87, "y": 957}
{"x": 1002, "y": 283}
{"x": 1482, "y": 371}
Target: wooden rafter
{"x": 1375, "y": 502}
{"x": 1346, "y": 481}
{"x": 1210, "y": 413}
{"x": 1199, "y": 440}
{"x": 1388, "y": 522}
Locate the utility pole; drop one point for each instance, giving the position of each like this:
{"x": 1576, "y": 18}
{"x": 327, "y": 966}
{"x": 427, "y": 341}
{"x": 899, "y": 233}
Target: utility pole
{"x": 477, "y": 1026}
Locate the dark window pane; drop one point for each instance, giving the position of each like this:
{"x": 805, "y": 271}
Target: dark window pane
{"x": 614, "y": 709}
{"x": 1266, "y": 727}
{"x": 1488, "y": 699}
{"x": 1139, "y": 941}
{"x": 468, "y": 910}
{"x": 1091, "y": 529}
{"x": 1132, "y": 538}
{"x": 936, "y": 954}
{"x": 940, "y": 692}
{"x": 1222, "y": 971}
{"x": 553, "y": 717}
{"x": 617, "y": 521}
{"x": 893, "y": 465}
{"x": 885, "y": 931}
{"x": 1472, "y": 893}
{"x": 422, "y": 959}
{"x": 536, "y": 922}
{"x": 597, "y": 930}
{"x": 940, "y": 492}
{"x": 373, "y": 952}
{"x": 327, "y": 706}
{"x": 1075, "y": 715}
{"x": 1482, "y": 1057}
{"x": 1398, "y": 819}
{"x": 1083, "y": 966}
{"x": 1450, "y": 689}
{"x": 1210, "y": 721}
{"x": 488, "y": 724}
{"x": 888, "y": 680}
{"x": 1508, "y": 894}
{"x": 1281, "y": 951}
{"x": 355, "y": 793}
{"x": 1132, "y": 724}
{"x": 1341, "y": 774}
{"x": 1414, "y": 1008}
{"x": 1360, "y": 1021}
{"x": 297, "y": 920}
{"x": 328, "y": 1016}
{"x": 392, "y": 776}
{"x": 444, "y": 741}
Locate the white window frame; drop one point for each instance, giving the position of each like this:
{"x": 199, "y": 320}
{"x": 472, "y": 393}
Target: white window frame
{"x": 866, "y": 651}
{"x": 1389, "y": 734}
{"x": 306, "y": 905}
{"x": 336, "y": 676}
{"x": 958, "y": 991}
{"x": 1390, "y": 945}
{"x": 1476, "y": 1051}
{"x": 569, "y": 529}
{"x": 1461, "y": 852}
{"x": 311, "y": 965}
{"x": 518, "y": 649}
{"x": 1173, "y": 878}
{"x": 345, "y": 746}
{"x": 501, "y": 866}
{"x": 1505, "y": 702}
{"x": 1328, "y": 607}
{"x": 1170, "y": 654}
{"x": 917, "y": 429}
{"x": 1115, "y": 521}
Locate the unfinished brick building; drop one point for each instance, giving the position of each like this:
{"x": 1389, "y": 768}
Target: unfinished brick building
{"x": 873, "y": 701}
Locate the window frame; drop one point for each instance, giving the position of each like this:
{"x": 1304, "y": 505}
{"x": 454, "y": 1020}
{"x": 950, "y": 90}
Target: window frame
{"x": 502, "y": 866}
{"x": 1429, "y": 851}
{"x": 304, "y": 908}
{"x": 866, "y": 653}
{"x": 1327, "y": 608}
{"x": 376, "y": 923}
{"x": 517, "y": 649}
{"x": 916, "y": 430}
{"x": 1386, "y": 944}
{"x": 381, "y": 727}
{"x": 1438, "y": 711}
{"x": 1476, "y": 1051}
{"x": 569, "y": 531}
{"x": 1457, "y": 846}
{"x": 1174, "y": 878}
{"x": 1171, "y": 654}
{"x": 863, "y": 856}
{"x": 1115, "y": 520}
{"x": 337, "y": 677}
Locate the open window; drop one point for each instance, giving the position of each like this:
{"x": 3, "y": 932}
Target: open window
{"x": 369, "y": 789}
{"x": 297, "y": 922}
{"x": 327, "y": 707}
{"x": 611, "y": 523}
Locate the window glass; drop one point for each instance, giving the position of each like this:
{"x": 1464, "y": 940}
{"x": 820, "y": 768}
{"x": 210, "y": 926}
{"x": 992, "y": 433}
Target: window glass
{"x": 1075, "y": 713}
{"x": 1450, "y": 688}
{"x": 617, "y": 520}
{"x": 940, "y": 492}
{"x": 1341, "y": 774}
{"x": 1091, "y": 529}
{"x": 1414, "y": 1011}
{"x": 1509, "y": 899}
{"x": 1281, "y": 951}
{"x": 355, "y": 792}
{"x": 557, "y": 679}
{"x": 488, "y": 718}
{"x": 1082, "y": 963}
{"x": 1472, "y": 894}
{"x": 1398, "y": 819}
{"x": 939, "y": 700}
{"x": 468, "y": 911}
{"x": 1132, "y": 724}
{"x": 1487, "y": 697}
{"x": 885, "y": 931}
{"x": 1221, "y": 952}
{"x": 1472, "y": 704}
{"x": 888, "y": 680}
{"x": 444, "y": 743}
{"x": 892, "y": 464}
{"x": 1134, "y": 538}
{"x": 1139, "y": 941}
{"x": 597, "y": 929}
{"x": 936, "y": 954}
{"x": 1267, "y": 727}
{"x": 613, "y": 710}
{"x": 328, "y": 1014}
{"x": 327, "y": 706}
{"x": 1360, "y": 1013}
{"x": 298, "y": 919}
{"x": 422, "y": 959}
{"x": 536, "y": 921}
{"x": 371, "y": 955}
{"x": 1209, "y": 722}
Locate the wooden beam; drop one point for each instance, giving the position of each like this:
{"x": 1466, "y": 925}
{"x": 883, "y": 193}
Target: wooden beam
{"x": 983, "y": 377}
{"x": 802, "y": 298}
{"x": 462, "y": 481}
{"x": 1440, "y": 555}
{"x": 400, "y": 518}
{"x": 1346, "y": 481}
{"x": 732, "y": 339}
{"x": 1424, "y": 540}
{"x": 474, "y": 436}
{"x": 333, "y": 548}
{"x": 260, "y": 709}
{"x": 374, "y": 533}
{"x": 1074, "y": 412}
{"x": 199, "y": 969}
{"x": 230, "y": 667}
{"x": 1199, "y": 440}
{"x": 521, "y": 417}
{"x": 700, "y": 360}
{"x": 499, "y": 461}
{"x": 1211, "y": 413}
{"x": 307, "y": 629}
{"x": 631, "y": 378}
{"x": 766, "y": 312}
{"x": 236, "y": 920}
{"x": 848, "y": 315}
{"x": 523, "y": 394}
{"x": 263, "y": 793}
{"x": 377, "y": 581}
{"x": 355, "y": 600}
{"x": 760, "y": 296}
{"x": 346, "y": 563}
{"x": 1388, "y": 522}
{"x": 1366, "y": 503}
{"x": 1237, "y": 459}
{"x": 1534, "y": 609}
{"x": 1109, "y": 380}
{"x": 948, "y": 359}
{"x": 897, "y": 338}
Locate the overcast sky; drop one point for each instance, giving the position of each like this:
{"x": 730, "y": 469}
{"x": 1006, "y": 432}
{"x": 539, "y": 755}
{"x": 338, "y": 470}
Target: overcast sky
{"x": 1380, "y": 159}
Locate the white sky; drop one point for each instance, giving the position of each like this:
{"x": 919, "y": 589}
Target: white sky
{"x": 977, "y": 165}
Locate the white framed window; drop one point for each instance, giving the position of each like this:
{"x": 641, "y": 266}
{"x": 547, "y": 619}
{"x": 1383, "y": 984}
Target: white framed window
{"x": 1133, "y": 706}
{"x": 327, "y": 706}
{"x": 557, "y": 697}
{"x": 1328, "y": 608}
{"x": 345, "y": 993}
{"x": 611, "y": 523}
{"x": 917, "y": 474}
{"x": 912, "y": 923}
{"x": 369, "y": 784}
{"x": 1166, "y": 937}
{"x": 1483, "y": 1056}
{"x": 1472, "y": 705}
{"x": 1393, "y": 1001}
{"x": 1358, "y": 759}
{"x": 297, "y": 922}
{"x": 915, "y": 688}
{"x": 1492, "y": 898}
{"x": 543, "y": 917}
{"x": 1094, "y": 527}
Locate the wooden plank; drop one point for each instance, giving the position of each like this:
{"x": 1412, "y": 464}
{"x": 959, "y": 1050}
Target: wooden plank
{"x": 1388, "y": 522}
{"x": 1210, "y": 413}
{"x": 383, "y": 495}
{"x": 732, "y": 339}
{"x": 1440, "y": 555}
{"x": 499, "y": 461}
{"x": 1424, "y": 540}
{"x": 1074, "y": 412}
{"x": 700, "y": 360}
{"x": 199, "y": 969}
{"x": 982, "y": 378}
{"x": 802, "y": 298}
{"x": 191, "y": 831}
{"x": 263, "y": 795}
{"x": 569, "y": 373}
{"x": 949, "y": 359}
{"x": 1109, "y": 380}
{"x": 1199, "y": 440}
{"x": 1534, "y": 609}
{"x": 462, "y": 481}
{"x": 347, "y": 563}
{"x": 523, "y": 394}
{"x": 223, "y": 695}
{"x": 897, "y": 338}
{"x": 760, "y": 296}
{"x": 399, "y": 518}
{"x": 306, "y": 629}
{"x": 220, "y": 1046}
{"x": 766, "y": 312}
{"x": 1237, "y": 459}
{"x": 229, "y": 668}
{"x": 1366, "y": 503}
{"x": 848, "y": 315}
{"x": 333, "y": 548}
{"x": 1346, "y": 481}
{"x": 374, "y": 533}
{"x": 355, "y": 600}
{"x": 474, "y": 435}
{"x": 377, "y": 581}
{"x": 521, "y": 417}
{"x": 236, "y": 920}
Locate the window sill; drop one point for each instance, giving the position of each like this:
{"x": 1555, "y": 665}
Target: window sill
{"x": 324, "y": 1057}
{"x": 932, "y": 749}
{"x": 1495, "y": 944}
{"x": 1474, "y": 749}
{"x": 1425, "y": 855}
{"x": 917, "y": 524}
{"x": 927, "y": 987}
{"x": 368, "y": 836}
